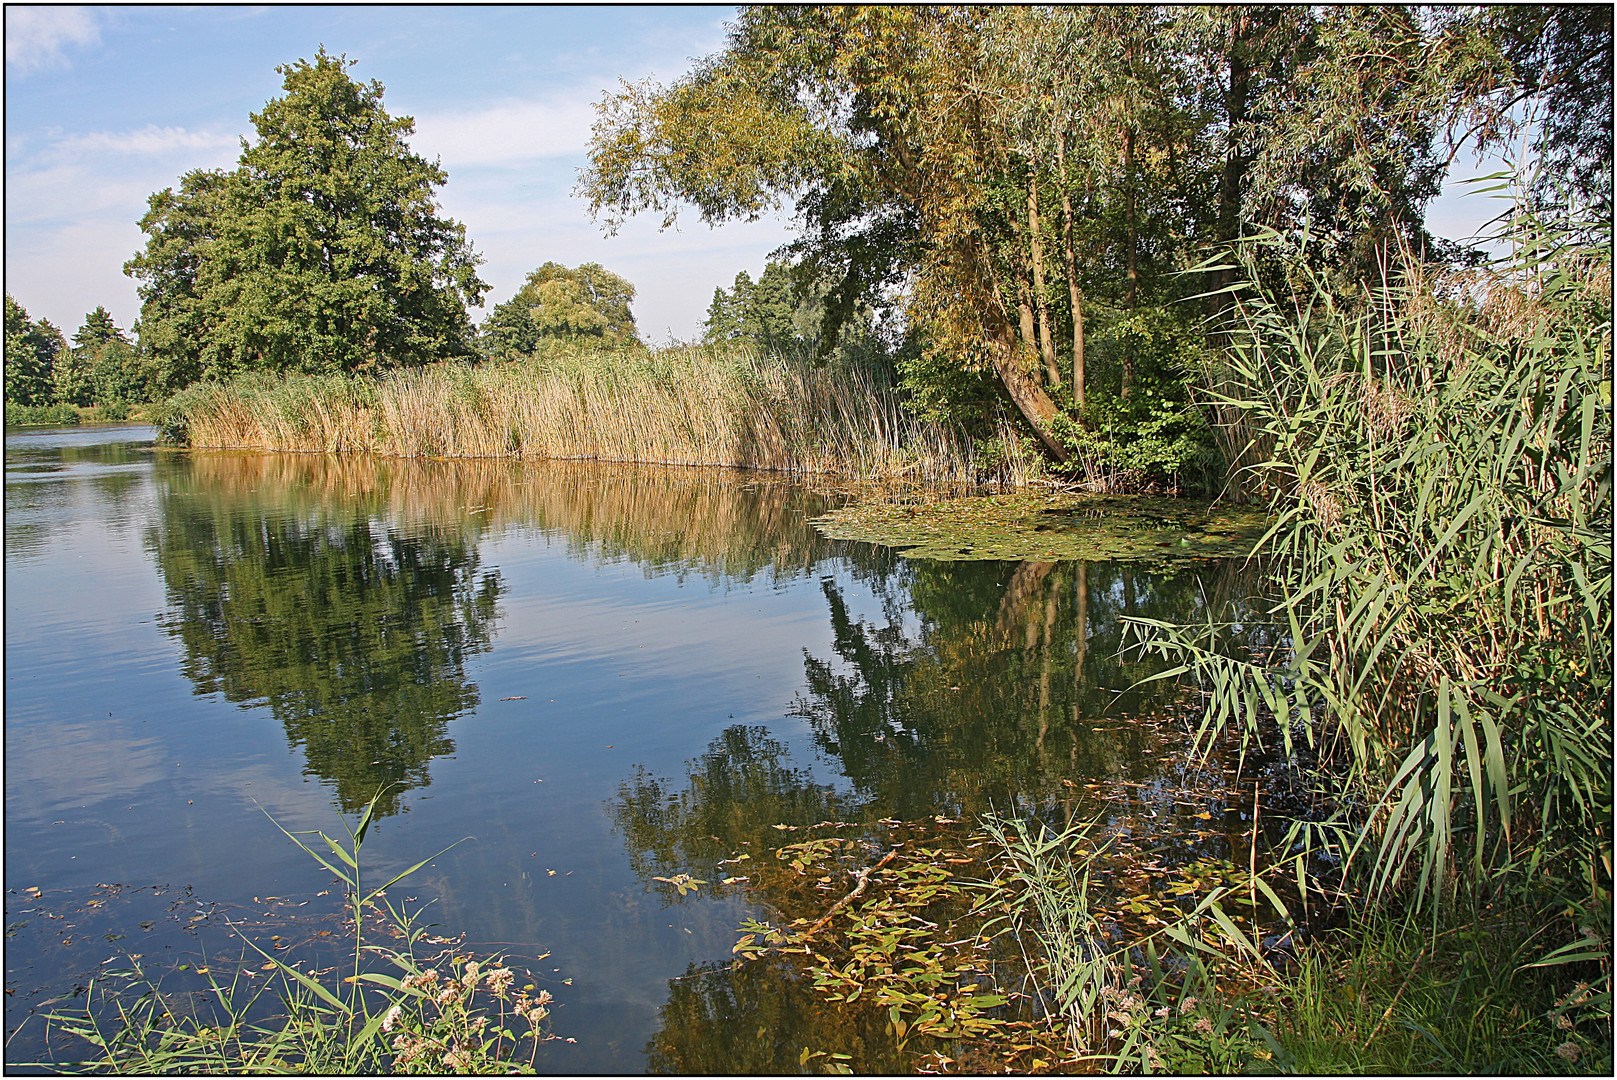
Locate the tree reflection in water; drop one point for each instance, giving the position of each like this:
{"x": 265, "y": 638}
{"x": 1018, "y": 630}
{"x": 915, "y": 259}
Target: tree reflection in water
{"x": 354, "y": 631}
{"x": 346, "y": 592}
{"x": 980, "y": 685}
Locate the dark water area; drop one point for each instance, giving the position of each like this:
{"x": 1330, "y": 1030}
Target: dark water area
{"x": 601, "y": 674}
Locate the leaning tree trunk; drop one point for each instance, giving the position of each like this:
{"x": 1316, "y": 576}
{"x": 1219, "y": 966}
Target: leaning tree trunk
{"x": 1021, "y": 381}
{"x": 1019, "y": 377}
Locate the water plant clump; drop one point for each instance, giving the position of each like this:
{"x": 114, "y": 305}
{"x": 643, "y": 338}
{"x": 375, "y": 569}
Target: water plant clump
{"x": 410, "y": 1006}
{"x": 1026, "y": 525}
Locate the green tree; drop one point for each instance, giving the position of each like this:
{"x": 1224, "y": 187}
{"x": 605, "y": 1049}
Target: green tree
{"x": 589, "y": 303}
{"x": 70, "y": 378}
{"x": 1027, "y": 173}
{"x": 1562, "y": 54}
{"x": 773, "y": 313}
{"x": 103, "y": 367}
{"x": 324, "y": 250}
{"x": 31, "y": 353}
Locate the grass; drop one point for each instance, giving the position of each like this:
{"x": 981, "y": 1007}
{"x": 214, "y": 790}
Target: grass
{"x": 394, "y": 1014}
{"x": 677, "y": 406}
{"x": 1389, "y": 996}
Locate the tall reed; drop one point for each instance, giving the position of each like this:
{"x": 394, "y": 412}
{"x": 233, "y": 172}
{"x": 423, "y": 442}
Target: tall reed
{"x": 1440, "y": 465}
{"x": 676, "y": 406}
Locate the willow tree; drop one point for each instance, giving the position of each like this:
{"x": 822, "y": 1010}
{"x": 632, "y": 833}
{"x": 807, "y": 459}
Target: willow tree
{"x": 861, "y": 120}
{"x": 590, "y": 303}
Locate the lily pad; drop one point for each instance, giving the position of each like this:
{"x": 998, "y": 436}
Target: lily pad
{"x": 1024, "y": 525}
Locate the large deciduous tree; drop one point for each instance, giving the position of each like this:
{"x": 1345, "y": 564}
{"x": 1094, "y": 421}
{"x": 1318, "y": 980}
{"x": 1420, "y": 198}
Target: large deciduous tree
{"x": 324, "y": 250}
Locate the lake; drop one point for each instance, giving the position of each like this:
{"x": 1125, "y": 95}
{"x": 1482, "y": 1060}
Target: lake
{"x": 601, "y": 674}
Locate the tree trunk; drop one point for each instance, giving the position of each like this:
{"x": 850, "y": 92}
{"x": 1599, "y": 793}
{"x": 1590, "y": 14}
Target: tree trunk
{"x": 1047, "y": 347}
{"x": 1018, "y": 379}
{"x": 1134, "y": 273}
{"x": 1026, "y": 393}
{"x": 1227, "y": 227}
{"x": 1070, "y": 259}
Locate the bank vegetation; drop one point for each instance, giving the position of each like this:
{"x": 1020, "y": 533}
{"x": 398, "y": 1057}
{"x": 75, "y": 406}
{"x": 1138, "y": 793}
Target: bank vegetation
{"x": 717, "y": 406}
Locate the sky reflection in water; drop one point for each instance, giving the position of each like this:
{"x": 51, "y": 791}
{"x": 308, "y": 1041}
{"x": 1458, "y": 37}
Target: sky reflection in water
{"x": 602, "y": 673}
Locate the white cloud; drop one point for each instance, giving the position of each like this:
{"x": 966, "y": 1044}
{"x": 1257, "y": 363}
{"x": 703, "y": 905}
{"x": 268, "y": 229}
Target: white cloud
{"x": 149, "y": 141}
{"x": 36, "y": 36}
{"x": 84, "y": 173}
{"x": 506, "y": 133}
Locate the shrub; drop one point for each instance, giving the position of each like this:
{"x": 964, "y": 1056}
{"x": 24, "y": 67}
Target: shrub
{"x": 29, "y": 415}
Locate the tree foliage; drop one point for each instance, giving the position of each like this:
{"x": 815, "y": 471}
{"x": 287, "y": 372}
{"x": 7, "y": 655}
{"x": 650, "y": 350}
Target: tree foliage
{"x": 590, "y": 302}
{"x": 31, "y": 353}
{"x": 323, "y": 250}
{"x": 1027, "y": 173}
{"x": 103, "y": 367}
{"x": 792, "y": 307}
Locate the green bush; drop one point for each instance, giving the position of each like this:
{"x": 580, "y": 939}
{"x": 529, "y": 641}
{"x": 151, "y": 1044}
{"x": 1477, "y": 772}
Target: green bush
{"x": 33, "y": 415}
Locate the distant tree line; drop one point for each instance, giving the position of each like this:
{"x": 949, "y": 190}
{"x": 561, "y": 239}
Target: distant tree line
{"x": 101, "y": 368}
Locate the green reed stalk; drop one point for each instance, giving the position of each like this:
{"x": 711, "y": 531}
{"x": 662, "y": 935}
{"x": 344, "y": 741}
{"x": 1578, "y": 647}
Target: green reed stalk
{"x": 1439, "y": 464}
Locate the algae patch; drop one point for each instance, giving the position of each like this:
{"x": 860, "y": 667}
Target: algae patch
{"x": 1048, "y": 527}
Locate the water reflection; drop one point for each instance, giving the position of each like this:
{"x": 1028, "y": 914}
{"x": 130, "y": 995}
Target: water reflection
{"x": 1007, "y": 687}
{"x": 757, "y": 1020}
{"x": 984, "y": 684}
{"x": 354, "y": 631}
{"x": 363, "y": 602}
{"x": 980, "y": 685}
{"x": 347, "y": 594}
{"x": 720, "y": 525}
{"x": 112, "y": 472}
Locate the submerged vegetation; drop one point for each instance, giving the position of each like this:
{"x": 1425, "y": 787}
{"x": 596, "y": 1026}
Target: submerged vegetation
{"x": 1019, "y": 526}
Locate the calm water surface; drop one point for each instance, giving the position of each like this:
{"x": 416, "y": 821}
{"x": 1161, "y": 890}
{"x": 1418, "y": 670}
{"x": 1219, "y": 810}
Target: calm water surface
{"x": 602, "y": 674}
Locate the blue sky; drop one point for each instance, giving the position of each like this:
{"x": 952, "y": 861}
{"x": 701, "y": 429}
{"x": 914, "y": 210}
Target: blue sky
{"x": 106, "y": 105}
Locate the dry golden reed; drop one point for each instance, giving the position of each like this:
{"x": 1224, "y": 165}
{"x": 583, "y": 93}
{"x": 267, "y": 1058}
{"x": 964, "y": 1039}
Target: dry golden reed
{"x": 676, "y": 406}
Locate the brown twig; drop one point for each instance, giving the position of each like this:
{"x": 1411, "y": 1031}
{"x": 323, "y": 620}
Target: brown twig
{"x": 860, "y": 882}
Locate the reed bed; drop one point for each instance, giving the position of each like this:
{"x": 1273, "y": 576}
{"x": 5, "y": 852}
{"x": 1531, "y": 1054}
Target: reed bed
{"x": 676, "y": 406}
{"x": 1440, "y": 467}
